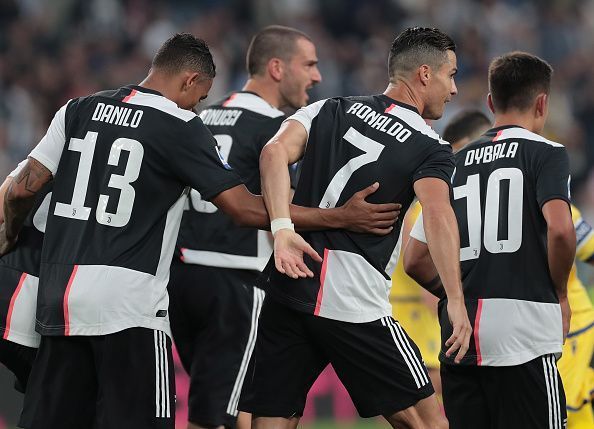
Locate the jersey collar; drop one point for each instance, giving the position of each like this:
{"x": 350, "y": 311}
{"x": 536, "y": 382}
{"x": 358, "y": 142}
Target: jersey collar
{"x": 143, "y": 89}
{"x": 399, "y": 103}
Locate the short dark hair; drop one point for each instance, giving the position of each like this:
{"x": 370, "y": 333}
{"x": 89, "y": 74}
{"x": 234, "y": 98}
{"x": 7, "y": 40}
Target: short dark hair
{"x": 516, "y": 78}
{"x": 468, "y": 123}
{"x": 182, "y": 52}
{"x": 274, "y": 41}
{"x": 417, "y": 46}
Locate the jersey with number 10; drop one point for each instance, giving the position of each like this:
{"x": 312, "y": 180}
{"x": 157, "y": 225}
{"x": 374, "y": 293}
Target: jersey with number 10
{"x": 352, "y": 143}
{"x": 500, "y": 185}
{"x": 122, "y": 161}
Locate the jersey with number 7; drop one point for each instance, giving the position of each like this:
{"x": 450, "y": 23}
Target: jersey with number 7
{"x": 121, "y": 161}
{"x": 352, "y": 143}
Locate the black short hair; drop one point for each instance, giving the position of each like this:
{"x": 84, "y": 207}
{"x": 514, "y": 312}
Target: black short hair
{"x": 417, "y": 46}
{"x": 274, "y": 41}
{"x": 182, "y": 52}
{"x": 516, "y": 78}
{"x": 468, "y": 123}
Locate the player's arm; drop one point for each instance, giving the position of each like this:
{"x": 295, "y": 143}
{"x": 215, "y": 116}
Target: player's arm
{"x": 356, "y": 214}
{"x": 561, "y": 244}
{"x": 19, "y": 200}
{"x": 443, "y": 239}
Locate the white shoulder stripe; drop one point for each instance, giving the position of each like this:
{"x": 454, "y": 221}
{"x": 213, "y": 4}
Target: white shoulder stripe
{"x": 253, "y": 103}
{"x": 415, "y": 121}
{"x": 522, "y": 133}
{"x": 160, "y": 103}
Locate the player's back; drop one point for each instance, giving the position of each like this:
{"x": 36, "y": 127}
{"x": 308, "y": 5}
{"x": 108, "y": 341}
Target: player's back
{"x": 500, "y": 184}
{"x": 242, "y": 124}
{"x": 354, "y": 142}
{"x": 125, "y": 160}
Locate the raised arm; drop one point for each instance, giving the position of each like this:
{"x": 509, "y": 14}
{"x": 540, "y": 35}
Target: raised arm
{"x": 443, "y": 239}
{"x": 561, "y": 245}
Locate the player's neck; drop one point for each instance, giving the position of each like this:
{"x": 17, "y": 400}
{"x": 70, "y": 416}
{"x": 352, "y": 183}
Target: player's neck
{"x": 265, "y": 89}
{"x": 514, "y": 118}
{"x": 155, "y": 82}
{"x": 402, "y": 91}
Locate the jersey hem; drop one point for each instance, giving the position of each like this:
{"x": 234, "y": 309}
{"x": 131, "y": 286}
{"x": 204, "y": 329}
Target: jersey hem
{"x": 20, "y": 338}
{"x": 105, "y": 329}
{"x": 341, "y": 316}
{"x": 511, "y": 359}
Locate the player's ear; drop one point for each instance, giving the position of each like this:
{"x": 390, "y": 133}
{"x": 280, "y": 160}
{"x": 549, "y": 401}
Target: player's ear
{"x": 490, "y": 103}
{"x": 425, "y": 74}
{"x": 190, "y": 80}
{"x": 275, "y": 68}
{"x": 541, "y": 104}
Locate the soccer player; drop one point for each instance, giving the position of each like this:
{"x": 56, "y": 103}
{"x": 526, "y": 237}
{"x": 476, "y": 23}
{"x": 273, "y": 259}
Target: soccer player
{"x": 121, "y": 162}
{"x": 19, "y": 272}
{"x": 414, "y": 307}
{"x": 215, "y": 305}
{"x": 511, "y": 198}
{"x": 341, "y": 315}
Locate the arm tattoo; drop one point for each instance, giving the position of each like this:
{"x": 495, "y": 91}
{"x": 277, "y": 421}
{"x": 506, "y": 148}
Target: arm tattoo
{"x": 20, "y": 196}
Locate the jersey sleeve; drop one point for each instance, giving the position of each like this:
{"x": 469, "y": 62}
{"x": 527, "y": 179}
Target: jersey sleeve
{"x": 584, "y": 236}
{"x": 197, "y": 161}
{"x": 49, "y": 150}
{"x": 438, "y": 162}
{"x": 306, "y": 115}
{"x": 552, "y": 175}
{"x": 418, "y": 230}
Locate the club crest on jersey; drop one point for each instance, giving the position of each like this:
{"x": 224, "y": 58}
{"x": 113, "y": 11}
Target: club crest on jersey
{"x": 223, "y": 161}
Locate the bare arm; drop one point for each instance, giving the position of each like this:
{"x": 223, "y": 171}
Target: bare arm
{"x": 19, "y": 200}
{"x": 419, "y": 266}
{"x": 3, "y": 190}
{"x": 441, "y": 228}
{"x": 561, "y": 242}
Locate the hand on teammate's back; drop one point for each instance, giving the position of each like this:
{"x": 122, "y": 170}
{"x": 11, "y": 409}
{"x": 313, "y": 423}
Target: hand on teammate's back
{"x": 461, "y": 329}
{"x": 361, "y": 216}
{"x": 289, "y": 248}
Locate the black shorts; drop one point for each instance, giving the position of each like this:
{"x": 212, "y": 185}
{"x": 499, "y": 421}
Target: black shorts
{"x": 18, "y": 359}
{"x": 377, "y": 362}
{"x": 527, "y": 396}
{"x": 214, "y": 314}
{"x": 121, "y": 380}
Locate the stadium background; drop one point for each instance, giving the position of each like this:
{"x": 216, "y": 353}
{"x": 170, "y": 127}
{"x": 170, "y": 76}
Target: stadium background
{"x": 51, "y": 51}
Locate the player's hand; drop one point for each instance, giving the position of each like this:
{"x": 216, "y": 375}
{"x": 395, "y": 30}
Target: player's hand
{"x": 462, "y": 329}
{"x": 289, "y": 248}
{"x": 565, "y": 316}
{"x": 360, "y": 216}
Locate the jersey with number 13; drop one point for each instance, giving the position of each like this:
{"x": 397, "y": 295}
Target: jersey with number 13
{"x": 352, "y": 143}
{"x": 122, "y": 162}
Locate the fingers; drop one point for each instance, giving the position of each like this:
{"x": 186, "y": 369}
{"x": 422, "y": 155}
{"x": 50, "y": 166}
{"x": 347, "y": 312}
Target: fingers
{"x": 459, "y": 341}
{"x": 364, "y": 193}
{"x": 380, "y": 231}
{"x": 385, "y": 207}
{"x": 312, "y": 253}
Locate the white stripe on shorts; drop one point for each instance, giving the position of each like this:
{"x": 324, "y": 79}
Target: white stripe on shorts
{"x": 247, "y": 354}
{"x": 386, "y": 322}
{"x": 162, "y": 402}
{"x": 552, "y": 384}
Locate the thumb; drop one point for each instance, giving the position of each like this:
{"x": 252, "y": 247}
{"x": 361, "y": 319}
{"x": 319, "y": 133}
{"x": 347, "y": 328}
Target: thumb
{"x": 364, "y": 193}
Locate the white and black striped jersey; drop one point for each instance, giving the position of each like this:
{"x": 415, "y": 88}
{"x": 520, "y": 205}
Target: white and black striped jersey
{"x": 241, "y": 124}
{"x": 20, "y": 278}
{"x": 352, "y": 143}
{"x": 122, "y": 161}
{"x": 501, "y": 182}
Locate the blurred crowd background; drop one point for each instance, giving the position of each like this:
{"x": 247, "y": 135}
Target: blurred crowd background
{"x": 51, "y": 51}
